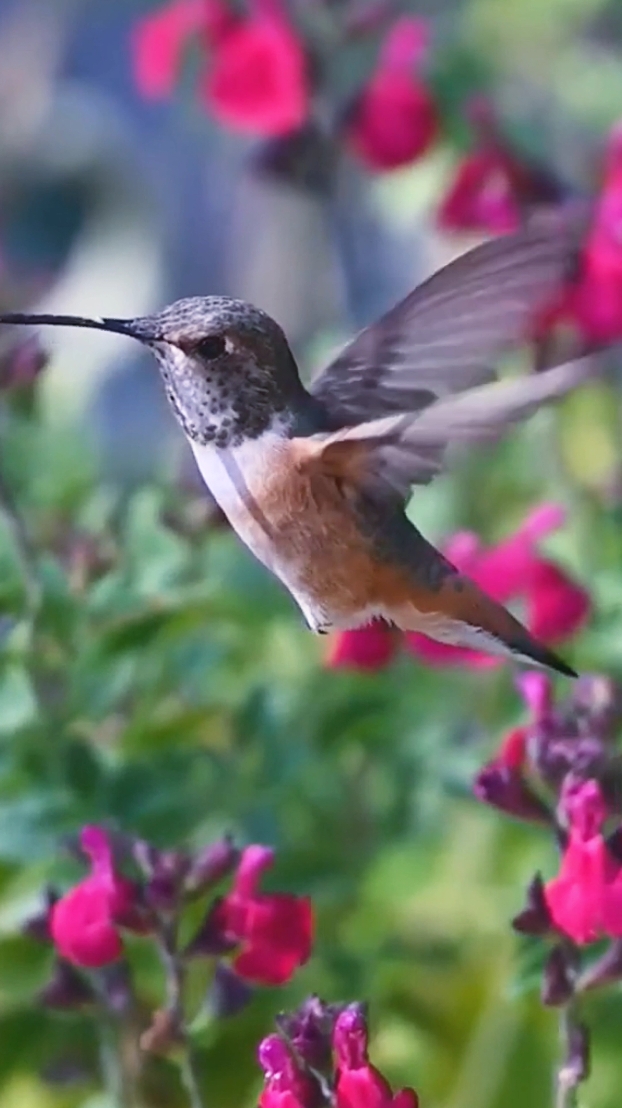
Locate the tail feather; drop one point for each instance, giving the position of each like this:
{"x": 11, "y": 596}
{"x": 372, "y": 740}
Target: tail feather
{"x": 466, "y": 616}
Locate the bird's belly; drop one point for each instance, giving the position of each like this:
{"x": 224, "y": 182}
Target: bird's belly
{"x": 301, "y": 529}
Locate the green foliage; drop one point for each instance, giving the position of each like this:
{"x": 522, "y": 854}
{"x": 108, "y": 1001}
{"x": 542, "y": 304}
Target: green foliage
{"x": 174, "y": 693}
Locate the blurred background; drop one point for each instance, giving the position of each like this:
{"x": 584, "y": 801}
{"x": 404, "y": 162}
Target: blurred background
{"x": 167, "y": 685}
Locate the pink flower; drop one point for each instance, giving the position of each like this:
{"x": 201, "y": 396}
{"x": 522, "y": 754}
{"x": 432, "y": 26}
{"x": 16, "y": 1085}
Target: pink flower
{"x": 481, "y": 196}
{"x": 394, "y": 121}
{"x": 501, "y": 782}
{"x": 84, "y": 923}
{"x": 366, "y": 648}
{"x": 592, "y": 302}
{"x": 555, "y": 605}
{"x": 359, "y": 1084}
{"x": 274, "y": 930}
{"x": 256, "y": 80}
{"x": 493, "y": 182}
{"x": 160, "y": 38}
{"x": 585, "y": 899}
{"x": 285, "y": 1086}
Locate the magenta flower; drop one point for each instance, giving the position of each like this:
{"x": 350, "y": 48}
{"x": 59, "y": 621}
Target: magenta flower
{"x": 592, "y": 302}
{"x": 84, "y": 924}
{"x": 365, "y": 648}
{"x": 394, "y": 121}
{"x": 481, "y": 196}
{"x": 255, "y": 79}
{"x": 324, "y": 1046}
{"x": 359, "y": 1083}
{"x": 585, "y": 899}
{"x": 274, "y": 931}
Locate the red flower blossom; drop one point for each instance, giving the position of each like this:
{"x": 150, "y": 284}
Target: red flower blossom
{"x": 585, "y": 899}
{"x": 481, "y": 196}
{"x": 394, "y": 119}
{"x": 274, "y": 930}
{"x": 592, "y": 302}
{"x": 286, "y": 1086}
{"x": 359, "y": 1084}
{"x": 257, "y": 78}
{"x": 366, "y": 648}
{"x": 493, "y": 182}
{"x": 501, "y": 782}
{"x": 84, "y": 923}
{"x": 160, "y": 38}
{"x": 555, "y": 605}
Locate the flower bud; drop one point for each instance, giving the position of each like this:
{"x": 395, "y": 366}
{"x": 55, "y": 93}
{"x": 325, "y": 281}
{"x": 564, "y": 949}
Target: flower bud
{"x": 228, "y": 994}
{"x": 559, "y": 978}
{"x": 535, "y": 918}
{"x": 66, "y": 989}
{"x": 210, "y": 865}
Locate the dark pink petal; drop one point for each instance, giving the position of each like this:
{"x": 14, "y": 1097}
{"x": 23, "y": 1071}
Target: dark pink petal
{"x": 393, "y": 123}
{"x": 481, "y": 196}
{"x": 158, "y": 42}
{"x": 584, "y": 807}
{"x": 350, "y": 1038}
{"x": 254, "y": 861}
{"x": 277, "y": 939}
{"x": 406, "y": 1098}
{"x": 366, "y": 648}
{"x": 405, "y": 45}
{"x": 557, "y": 606}
{"x": 257, "y": 81}
{"x": 512, "y": 750}
{"x": 81, "y": 926}
{"x": 363, "y": 1087}
{"x": 537, "y": 692}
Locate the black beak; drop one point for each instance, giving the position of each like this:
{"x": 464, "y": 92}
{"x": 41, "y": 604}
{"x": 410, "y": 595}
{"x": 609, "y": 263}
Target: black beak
{"x": 142, "y": 329}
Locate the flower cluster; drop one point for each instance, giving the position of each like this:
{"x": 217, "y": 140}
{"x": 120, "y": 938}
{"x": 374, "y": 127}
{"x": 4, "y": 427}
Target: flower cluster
{"x": 254, "y": 937}
{"x": 555, "y": 605}
{"x": 320, "y": 1057}
{"x": 260, "y": 76}
{"x": 591, "y": 302}
{"x": 561, "y": 769}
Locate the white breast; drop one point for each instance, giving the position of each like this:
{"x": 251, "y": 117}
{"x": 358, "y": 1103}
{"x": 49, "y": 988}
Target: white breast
{"x": 233, "y": 477}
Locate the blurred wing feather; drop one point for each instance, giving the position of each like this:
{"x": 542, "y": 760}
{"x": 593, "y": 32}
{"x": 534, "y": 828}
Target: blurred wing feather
{"x": 447, "y": 334}
{"x": 389, "y": 455}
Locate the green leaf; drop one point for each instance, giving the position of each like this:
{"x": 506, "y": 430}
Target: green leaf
{"x": 18, "y": 705}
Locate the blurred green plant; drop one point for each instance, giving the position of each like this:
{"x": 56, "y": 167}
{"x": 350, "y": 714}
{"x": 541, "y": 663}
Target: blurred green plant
{"x": 158, "y": 681}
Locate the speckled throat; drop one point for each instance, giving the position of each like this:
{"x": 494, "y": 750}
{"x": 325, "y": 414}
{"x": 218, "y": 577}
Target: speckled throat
{"x": 226, "y": 403}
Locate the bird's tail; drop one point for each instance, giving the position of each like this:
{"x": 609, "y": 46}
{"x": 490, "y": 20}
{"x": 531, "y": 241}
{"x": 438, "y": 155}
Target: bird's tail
{"x": 466, "y": 616}
{"x": 504, "y": 634}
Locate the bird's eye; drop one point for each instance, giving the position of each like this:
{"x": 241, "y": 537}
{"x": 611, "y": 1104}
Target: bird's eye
{"x": 212, "y": 346}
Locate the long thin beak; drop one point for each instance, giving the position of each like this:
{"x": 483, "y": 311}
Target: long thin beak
{"x": 142, "y": 329}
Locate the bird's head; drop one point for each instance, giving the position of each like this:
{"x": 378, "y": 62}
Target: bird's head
{"x": 227, "y": 367}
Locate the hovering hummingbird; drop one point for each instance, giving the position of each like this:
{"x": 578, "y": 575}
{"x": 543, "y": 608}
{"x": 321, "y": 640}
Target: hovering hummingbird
{"x": 316, "y": 482}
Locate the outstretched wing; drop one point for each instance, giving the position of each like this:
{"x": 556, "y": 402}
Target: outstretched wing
{"x": 389, "y": 455}
{"x": 447, "y": 334}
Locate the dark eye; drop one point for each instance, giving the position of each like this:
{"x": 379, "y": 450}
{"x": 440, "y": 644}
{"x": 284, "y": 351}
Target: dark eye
{"x": 212, "y": 346}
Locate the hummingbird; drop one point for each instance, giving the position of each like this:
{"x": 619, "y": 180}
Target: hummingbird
{"x": 315, "y": 481}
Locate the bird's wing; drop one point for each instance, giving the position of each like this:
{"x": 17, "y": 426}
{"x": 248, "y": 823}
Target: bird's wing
{"x": 447, "y": 334}
{"x": 387, "y": 456}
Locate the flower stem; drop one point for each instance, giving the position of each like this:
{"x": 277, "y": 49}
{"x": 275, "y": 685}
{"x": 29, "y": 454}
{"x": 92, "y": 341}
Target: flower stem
{"x": 575, "y": 1066}
{"x": 110, "y": 1062}
{"x": 174, "y": 973}
{"x": 189, "y": 1076}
